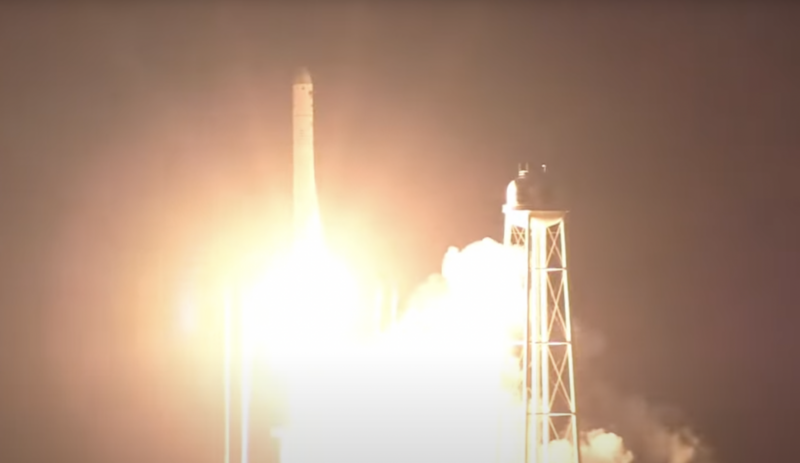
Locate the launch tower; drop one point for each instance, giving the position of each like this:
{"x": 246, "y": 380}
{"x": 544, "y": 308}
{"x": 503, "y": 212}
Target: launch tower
{"x": 548, "y": 384}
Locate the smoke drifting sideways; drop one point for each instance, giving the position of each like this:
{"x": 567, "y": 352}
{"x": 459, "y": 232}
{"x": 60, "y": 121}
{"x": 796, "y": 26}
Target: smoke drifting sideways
{"x": 442, "y": 383}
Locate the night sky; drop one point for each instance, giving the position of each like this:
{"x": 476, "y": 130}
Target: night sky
{"x": 134, "y": 139}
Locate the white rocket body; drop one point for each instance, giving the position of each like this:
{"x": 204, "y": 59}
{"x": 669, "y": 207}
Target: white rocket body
{"x": 307, "y": 222}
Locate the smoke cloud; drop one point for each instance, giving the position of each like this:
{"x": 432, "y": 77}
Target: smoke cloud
{"x": 655, "y": 433}
{"x": 644, "y": 432}
{"x": 441, "y": 384}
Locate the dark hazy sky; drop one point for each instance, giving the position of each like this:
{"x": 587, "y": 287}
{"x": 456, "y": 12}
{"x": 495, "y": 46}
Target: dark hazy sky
{"x": 132, "y": 137}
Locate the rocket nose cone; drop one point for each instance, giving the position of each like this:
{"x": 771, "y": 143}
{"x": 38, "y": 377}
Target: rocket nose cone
{"x": 302, "y": 76}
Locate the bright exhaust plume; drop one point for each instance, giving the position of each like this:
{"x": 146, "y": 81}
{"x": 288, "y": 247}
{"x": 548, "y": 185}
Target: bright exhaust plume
{"x": 439, "y": 385}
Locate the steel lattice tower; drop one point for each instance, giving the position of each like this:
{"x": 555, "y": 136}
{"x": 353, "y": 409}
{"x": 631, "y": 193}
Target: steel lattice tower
{"x": 548, "y": 384}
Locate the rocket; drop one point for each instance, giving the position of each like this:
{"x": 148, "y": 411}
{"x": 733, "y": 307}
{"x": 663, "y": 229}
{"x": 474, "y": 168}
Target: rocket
{"x": 306, "y": 207}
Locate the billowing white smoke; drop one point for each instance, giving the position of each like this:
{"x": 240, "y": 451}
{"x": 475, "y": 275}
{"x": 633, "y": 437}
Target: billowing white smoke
{"x": 648, "y": 429}
{"x": 598, "y": 446}
{"x": 429, "y": 390}
{"x": 440, "y": 386}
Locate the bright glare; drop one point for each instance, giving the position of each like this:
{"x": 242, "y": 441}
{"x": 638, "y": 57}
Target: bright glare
{"x": 307, "y": 300}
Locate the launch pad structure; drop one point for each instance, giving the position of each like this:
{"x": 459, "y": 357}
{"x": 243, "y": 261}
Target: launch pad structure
{"x": 548, "y": 380}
